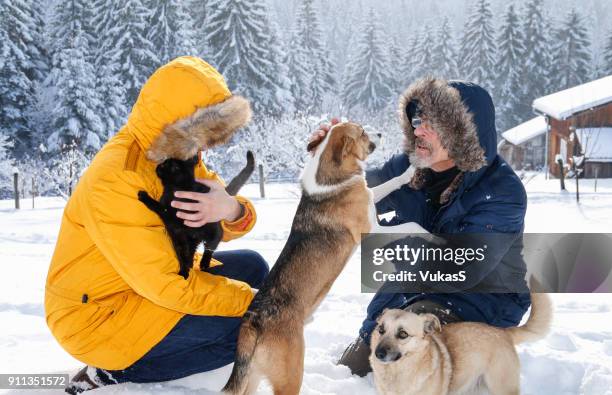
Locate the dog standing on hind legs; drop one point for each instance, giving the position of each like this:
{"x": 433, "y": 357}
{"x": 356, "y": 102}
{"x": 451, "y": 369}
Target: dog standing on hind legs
{"x": 335, "y": 209}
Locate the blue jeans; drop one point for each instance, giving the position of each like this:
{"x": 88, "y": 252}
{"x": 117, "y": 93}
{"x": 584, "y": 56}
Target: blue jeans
{"x": 197, "y": 343}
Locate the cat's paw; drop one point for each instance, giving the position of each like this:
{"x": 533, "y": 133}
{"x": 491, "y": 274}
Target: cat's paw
{"x": 142, "y": 196}
{"x": 184, "y": 272}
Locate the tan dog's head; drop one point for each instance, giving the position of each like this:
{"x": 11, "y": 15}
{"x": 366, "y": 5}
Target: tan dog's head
{"x": 400, "y": 332}
{"x": 341, "y": 153}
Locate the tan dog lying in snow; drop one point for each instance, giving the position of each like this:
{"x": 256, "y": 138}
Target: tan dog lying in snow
{"x": 414, "y": 355}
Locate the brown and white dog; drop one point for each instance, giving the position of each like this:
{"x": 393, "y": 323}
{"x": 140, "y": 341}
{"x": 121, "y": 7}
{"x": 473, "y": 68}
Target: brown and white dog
{"x": 336, "y": 207}
{"x": 413, "y": 354}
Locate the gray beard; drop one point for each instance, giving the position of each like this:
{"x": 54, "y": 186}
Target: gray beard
{"x": 419, "y": 163}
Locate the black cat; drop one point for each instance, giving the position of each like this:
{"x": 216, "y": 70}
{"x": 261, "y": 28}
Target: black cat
{"x": 178, "y": 175}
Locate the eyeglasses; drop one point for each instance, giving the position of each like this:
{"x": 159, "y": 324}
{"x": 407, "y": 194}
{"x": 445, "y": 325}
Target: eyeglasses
{"x": 416, "y": 122}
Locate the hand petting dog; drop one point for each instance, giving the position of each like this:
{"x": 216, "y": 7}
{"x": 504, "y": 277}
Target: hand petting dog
{"x": 319, "y": 134}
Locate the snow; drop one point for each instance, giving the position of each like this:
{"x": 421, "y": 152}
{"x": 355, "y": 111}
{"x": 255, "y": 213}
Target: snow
{"x": 576, "y": 358}
{"x": 596, "y": 143}
{"x": 526, "y": 130}
{"x": 563, "y": 104}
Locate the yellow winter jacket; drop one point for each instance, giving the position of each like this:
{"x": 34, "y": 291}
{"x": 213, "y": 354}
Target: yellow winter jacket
{"x": 112, "y": 290}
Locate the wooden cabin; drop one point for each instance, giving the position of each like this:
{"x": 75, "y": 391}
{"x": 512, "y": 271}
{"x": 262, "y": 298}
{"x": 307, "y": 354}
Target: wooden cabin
{"x": 524, "y": 146}
{"x": 572, "y": 122}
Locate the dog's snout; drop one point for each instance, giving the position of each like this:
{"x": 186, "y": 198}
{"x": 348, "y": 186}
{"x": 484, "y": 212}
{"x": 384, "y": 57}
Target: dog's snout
{"x": 386, "y": 353}
{"x": 375, "y": 140}
{"x": 381, "y": 353}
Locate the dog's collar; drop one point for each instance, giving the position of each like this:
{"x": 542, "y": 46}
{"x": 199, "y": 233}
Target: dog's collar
{"x": 328, "y": 190}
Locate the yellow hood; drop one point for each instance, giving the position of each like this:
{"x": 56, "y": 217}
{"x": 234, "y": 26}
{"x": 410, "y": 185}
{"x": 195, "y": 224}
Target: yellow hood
{"x": 183, "y": 107}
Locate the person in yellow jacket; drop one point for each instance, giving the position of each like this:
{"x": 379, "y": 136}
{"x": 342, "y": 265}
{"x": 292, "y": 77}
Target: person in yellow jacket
{"x": 113, "y": 297}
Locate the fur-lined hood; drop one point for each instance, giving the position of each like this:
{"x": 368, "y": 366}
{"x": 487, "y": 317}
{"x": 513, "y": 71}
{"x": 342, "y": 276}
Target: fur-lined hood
{"x": 464, "y": 116}
{"x": 184, "y": 106}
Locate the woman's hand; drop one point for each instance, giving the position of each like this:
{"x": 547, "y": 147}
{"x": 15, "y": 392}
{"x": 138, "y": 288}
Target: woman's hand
{"x": 214, "y": 206}
{"x": 320, "y": 133}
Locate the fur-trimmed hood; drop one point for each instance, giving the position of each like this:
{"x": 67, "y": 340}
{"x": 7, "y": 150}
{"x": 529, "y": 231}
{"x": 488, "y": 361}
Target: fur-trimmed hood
{"x": 184, "y": 106}
{"x": 464, "y": 116}
{"x": 449, "y": 115}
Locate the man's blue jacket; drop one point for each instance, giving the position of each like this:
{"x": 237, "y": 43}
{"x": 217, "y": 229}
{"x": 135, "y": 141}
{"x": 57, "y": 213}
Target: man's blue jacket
{"x": 487, "y": 198}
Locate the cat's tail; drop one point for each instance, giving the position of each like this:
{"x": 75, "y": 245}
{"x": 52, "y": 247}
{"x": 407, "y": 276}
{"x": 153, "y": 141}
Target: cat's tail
{"x": 237, "y": 182}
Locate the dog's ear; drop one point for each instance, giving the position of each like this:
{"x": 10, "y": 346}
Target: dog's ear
{"x": 314, "y": 144}
{"x": 381, "y": 315}
{"x": 342, "y": 148}
{"x": 431, "y": 324}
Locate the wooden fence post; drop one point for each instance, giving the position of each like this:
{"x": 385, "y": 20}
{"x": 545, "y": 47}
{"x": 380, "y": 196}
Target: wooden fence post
{"x": 576, "y": 174}
{"x": 33, "y": 192}
{"x": 561, "y": 173}
{"x": 16, "y": 186}
{"x": 262, "y": 191}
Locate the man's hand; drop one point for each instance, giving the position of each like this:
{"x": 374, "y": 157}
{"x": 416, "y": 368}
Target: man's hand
{"x": 320, "y": 133}
{"x": 214, "y": 206}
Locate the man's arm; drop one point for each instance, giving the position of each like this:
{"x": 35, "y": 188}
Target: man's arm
{"x": 498, "y": 224}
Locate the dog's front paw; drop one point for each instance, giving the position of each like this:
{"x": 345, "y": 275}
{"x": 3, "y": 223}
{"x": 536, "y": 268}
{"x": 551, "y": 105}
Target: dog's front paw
{"x": 406, "y": 176}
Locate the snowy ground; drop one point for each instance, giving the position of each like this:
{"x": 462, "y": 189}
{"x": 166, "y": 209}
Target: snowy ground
{"x": 576, "y": 358}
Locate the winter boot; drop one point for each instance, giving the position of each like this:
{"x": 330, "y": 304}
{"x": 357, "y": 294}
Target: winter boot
{"x": 88, "y": 378}
{"x": 357, "y": 358}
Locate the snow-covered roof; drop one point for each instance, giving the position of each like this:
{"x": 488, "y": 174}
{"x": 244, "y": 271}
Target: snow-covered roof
{"x": 526, "y": 130}
{"x": 596, "y": 143}
{"x": 563, "y": 104}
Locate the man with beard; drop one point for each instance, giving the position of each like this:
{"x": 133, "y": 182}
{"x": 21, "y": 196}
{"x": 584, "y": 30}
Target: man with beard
{"x": 461, "y": 186}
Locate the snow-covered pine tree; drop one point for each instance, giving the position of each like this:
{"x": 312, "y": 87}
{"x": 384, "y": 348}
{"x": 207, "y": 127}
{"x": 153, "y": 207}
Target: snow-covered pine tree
{"x": 198, "y": 10}
{"x": 170, "y": 29}
{"x": 572, "y": 55}
{"x": 508, "y": 69}
{"x": 423, "y": 54}
{"x": 367, "y": 86}
{"x": 607, "y": 56}
{"x": 245, "y": 48}
{"x": 396, "y": 64}
{"x": 20, "y": 71}
{"x": 410, "y": 61}
{"x": 301, "y": 75}
{"x": 66, "y": 19}
{"x": 537, "y": 57}
{"x": 6, "y": 166}
{"x": 307, "y": 41}
{"x": 339, "y": 33}
{"x": 477, "y": 51}
{"x": 126, "y": 48}
{"x": 75, "y": 121}
{"x": 3, "y": 46}
{"x": 113, "y": 110}
{"x": 444, "y": 62}
{"x": 37, "y": 51}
